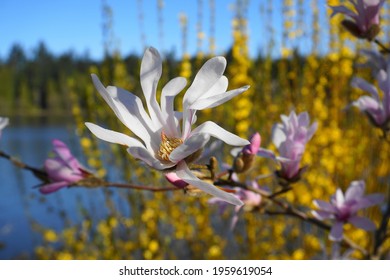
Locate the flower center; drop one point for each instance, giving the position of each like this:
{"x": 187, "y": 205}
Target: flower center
{"x": 167, "y": 146}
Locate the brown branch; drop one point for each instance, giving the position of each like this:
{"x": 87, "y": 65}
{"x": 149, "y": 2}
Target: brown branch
{"x": 382, "y": 46}
{"x": 137, "y": 187}
{"x": 18, "y": 163}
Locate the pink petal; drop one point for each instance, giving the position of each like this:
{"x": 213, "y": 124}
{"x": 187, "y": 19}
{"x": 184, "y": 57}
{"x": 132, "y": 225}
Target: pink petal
{"x": 355, "y": 191}
{"x": 321, "y": 215}
{"x": 175, "y": 180}
{"x": 362, "y": 222}
{"x": 336, "y": 232}
{"x": 326, "y": 206}
{"x": 254, "y": 145}
{"x": 58, "y": 171}
{"x": 52, "y": 187}
{"x": 62, "y": 151}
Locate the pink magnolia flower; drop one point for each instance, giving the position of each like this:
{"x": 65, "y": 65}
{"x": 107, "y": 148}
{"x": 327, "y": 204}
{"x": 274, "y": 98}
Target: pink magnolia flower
{"x": 166, "y": 140}
{"x": 3, "y": 123}
{"x": 290, "y": 138}
{"x": 364, "y": 22}
{"x": 377, "y": 110}
{"x": 63, "y": 169}
{"x": 343, "y": 209}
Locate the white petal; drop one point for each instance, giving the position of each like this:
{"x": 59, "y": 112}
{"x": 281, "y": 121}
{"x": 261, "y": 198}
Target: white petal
{"x": 186, "y": 175}
{"x": 130, "y": 111}
{"x": 113, "y": 136}
{"x": 170, "y": 90}
{"x": 3, "y": 122}
{"x": 215, "y": 130}
{"x": 278, "y": 135}
{"x": 339, "y": 197}
{"x": 190, "y": 146}
{"x": 144, "y": 155}
{"x": 216, "y": 100}
{"x": 205, "y": 79}
{"x": 151, "y": 69}
{"x": 220, "y": 86}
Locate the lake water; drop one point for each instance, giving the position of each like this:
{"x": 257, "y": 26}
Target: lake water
{"x": 23, "y": 210}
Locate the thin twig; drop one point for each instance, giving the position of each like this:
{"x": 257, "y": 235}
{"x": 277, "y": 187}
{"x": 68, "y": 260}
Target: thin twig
{"x": 136, "y": 187}
{"x": 18, "y": 163}
{"x": 382, "y": 46}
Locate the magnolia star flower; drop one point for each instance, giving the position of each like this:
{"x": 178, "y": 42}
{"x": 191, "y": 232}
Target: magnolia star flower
{"x": 3, "y": 123}
{"x": 167, "y": 141}
{"x": 377, "y": 110}
{"x": 63, "y": 170}
{"x": 365, "y": 23}
{"x": 290, "y": 138}
{"x": 343, "y": 209}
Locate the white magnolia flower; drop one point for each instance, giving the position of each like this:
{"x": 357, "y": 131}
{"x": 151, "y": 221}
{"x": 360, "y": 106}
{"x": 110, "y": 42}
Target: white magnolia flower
{"x": 167, "y": 139}
{"x": 3, "y": 123}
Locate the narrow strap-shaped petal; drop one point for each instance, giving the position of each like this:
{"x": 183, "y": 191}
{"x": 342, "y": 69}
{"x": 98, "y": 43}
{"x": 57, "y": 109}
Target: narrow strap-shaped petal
{"x": 144, "y": 155}
{"x": 312, "y": 129}
{"x": 113, "y": 136}
{"x": 189, "y": 117}
{"x": 366, "y": 86}
{"x": 384, "y": 84}
{"x": 303, "y": 119}
{"x": 186, "y": 175}
{"x": 355, "y": 191}
{"x": 129, "y": 110}
{"x": 207, "y": 76}
{"x": 326, "y": 206}
{"x": 336, "y": 232}
{"x": 52, "y": 187}
{"x": 278, "y": 135}
{"x": 137, "y": 120}
{"x": 339, "y": 198}
{"x": 216, "y": 131}
{"x": 362, "y": 222}
{"x": 189, "y": 147}
{"x": 63, "y": 152}
{"x": 57, "y": 171}
{"x": 321, "y": 215}
{"x": 220, "y": 86}
{"x": 343, "y": 10}
{"x": 3, "y": 122}
{"x": 169, "y": 91}
{"x": 151, "y": 70}
{"x": 216, "y": 100}
{"x": 367, "y": 201}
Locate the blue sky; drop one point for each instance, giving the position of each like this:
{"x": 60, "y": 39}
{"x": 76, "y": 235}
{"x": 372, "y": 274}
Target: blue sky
{"x": 77, "y": 25}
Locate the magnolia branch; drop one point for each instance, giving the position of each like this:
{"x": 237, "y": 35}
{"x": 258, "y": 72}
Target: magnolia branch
{"x": 88, "y": 182}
